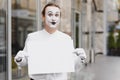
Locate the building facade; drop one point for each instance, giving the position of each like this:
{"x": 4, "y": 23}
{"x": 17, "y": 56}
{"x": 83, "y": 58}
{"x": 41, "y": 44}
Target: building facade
{"x": 86, "y": 21}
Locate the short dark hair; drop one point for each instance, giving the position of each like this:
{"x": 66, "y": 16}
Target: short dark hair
{"x": 49, "y": 4}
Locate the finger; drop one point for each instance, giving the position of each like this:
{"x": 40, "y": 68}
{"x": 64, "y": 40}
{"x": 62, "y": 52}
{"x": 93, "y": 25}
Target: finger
{"x": 19, "y": 59}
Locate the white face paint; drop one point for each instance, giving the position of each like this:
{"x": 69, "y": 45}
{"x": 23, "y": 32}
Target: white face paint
{"x": 52, "y": 16}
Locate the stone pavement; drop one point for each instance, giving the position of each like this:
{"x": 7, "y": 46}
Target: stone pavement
{"x": 105, "y": 68}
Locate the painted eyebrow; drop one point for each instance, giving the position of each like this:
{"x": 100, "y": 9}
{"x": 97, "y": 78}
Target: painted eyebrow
{"x": 52, "y": 12}
{"x": 49, "y": 11}
{"x": 57, "y": 12}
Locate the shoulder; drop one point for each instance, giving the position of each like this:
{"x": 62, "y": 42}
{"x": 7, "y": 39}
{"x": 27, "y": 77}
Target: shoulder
{"x": 64, "y": 35}
{"x": 34, "y": 35}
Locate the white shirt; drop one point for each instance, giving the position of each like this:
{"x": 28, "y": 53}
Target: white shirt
{"x": 55, "y": 52}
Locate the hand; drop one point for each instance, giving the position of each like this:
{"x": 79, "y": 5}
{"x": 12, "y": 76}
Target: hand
{"x": 81, "y": 53}
{"x": 20, "y": 58}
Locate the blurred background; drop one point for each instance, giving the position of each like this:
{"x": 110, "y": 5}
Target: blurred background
{"x": 93, "y": 25}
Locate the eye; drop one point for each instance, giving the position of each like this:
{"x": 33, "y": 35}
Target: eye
{"x": 56, "y": 15}
{"x": 50, "y": 14}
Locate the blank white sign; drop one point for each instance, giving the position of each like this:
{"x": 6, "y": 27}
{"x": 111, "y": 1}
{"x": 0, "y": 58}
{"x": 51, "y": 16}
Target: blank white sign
{"x": 50, "y": 56}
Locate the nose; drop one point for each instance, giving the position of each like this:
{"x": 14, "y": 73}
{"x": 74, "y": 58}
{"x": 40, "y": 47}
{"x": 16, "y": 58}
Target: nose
{"x": 53, "y": 18}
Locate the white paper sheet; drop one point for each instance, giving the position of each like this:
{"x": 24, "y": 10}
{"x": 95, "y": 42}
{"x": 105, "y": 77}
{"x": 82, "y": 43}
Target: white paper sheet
{"x": 50, "y": 57}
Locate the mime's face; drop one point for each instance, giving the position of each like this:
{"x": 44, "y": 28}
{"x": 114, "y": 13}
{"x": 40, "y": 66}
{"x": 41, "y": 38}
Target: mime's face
{"x": 52, "y": 16}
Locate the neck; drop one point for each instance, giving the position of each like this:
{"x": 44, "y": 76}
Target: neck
{"x": 50, "y": 30}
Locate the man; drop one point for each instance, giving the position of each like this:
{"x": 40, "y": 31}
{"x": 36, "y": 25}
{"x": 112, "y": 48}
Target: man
{"x": 49, "y": 52}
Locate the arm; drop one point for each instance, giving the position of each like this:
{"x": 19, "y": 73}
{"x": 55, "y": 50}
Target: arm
{"x": 21, "y": 57}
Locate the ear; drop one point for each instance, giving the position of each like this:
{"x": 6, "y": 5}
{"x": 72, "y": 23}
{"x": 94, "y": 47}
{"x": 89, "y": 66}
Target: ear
{"x": 43, "y": 18}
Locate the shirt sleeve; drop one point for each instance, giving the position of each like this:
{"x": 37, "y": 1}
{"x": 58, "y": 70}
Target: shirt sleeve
{"x": 25, "y": 49}
{"x": 22, "y": 54}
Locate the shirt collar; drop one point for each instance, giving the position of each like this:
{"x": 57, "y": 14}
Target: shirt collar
{"x": 48, "y": 34}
